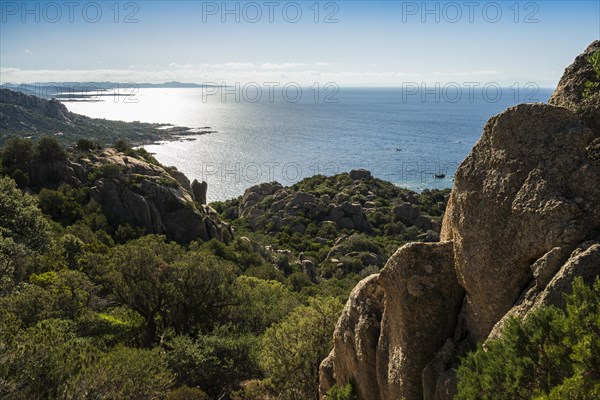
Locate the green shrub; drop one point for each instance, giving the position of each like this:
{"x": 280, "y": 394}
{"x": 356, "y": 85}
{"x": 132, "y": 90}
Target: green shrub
{"x": 122, "y": 145}
{"x": 20, "y": 218}
{"x": 86, "y": 145}
{"x": 551, "y": 355}
{"x": 216, "y": 363}
{"x": 591, "y": 87}
{"x": 17, "y": 151}
{"x": 62, "y": 204}
{"x": 123, "y": 373}
{"x": 20, "y": 177}
{"x": 341, "y": 393}
{"x": 48, "y": 149}
{"x": 42, "y": 359}
{"x": 294, "y": 348}
{"x": 110, "y": 171}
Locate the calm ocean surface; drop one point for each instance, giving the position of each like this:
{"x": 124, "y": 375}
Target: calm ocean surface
{"x": 400, "y": 136}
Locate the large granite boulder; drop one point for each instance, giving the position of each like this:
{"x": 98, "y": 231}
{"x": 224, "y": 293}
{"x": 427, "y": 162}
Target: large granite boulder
{"x": 527, "y": 186}
{"x": 422, "y": 299}
{"x": 523, "y": 221}
{"x": 355, "y": 340}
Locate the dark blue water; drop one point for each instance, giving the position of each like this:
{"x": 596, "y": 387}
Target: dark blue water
{"x": 400, "y": 137}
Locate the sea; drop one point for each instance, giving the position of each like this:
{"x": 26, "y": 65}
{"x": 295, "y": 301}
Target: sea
{"x": 413, "y": 136}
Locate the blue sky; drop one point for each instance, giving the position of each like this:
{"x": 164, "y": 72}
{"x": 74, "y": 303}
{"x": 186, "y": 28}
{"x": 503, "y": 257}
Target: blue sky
{"x": 385, "y": 43}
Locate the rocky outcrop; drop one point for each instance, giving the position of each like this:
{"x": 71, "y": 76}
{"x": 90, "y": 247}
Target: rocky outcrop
{"x": 199, "y": 191}
{"x": 135, "y": 192}
{"x": 572, "y": 86}
{"x": 50, "y": 108}
{"x": 150, "y": 197}
{"x": 343, "y": 212}
{"x": 522, "y": 222}
{"x": 350, "y": 200}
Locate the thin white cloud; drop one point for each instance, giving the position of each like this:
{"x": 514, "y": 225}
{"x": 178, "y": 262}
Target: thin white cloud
{"x": 233, "y": 65}
{"x": 469, "y": 73}
{"x": 288, "y": 65}
{"x": 27, "y": 51}
{"x": 180, "y": 66}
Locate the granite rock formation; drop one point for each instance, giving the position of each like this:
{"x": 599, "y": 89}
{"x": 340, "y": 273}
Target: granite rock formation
{"x": 523, "y": 221}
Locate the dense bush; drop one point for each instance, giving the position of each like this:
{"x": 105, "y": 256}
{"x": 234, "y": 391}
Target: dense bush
{"x": 216, "y": 362}
{"x": 122, "y": 145}
{"x": 86, "y": 145}
{"x": 16, "y": 156}
{"x": 20, "y": 218}
{"x": 551, "y": 355}
{"x": 63, "y": 205}
{"x": 48, "y": 149}
{"x": 341, "y": 393}
{"x": 294, "y": 348}
{"x": 123, "y": 373}
{"x": 16, "y": 152}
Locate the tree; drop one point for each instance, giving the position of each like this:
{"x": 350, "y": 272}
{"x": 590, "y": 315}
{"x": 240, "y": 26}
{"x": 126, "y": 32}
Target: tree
{"x": 48, "y": 149}
{"x": 215, "y": 362}
{"x": 261, "y": 303}
{"x": 294, "y": 348}
{"x": 39, "y": 361}
{"x": 17, "y": 152}
{"x": 23, "y": 230}
{"x": 20, "y": 219}
{"x": 123, "y": 374}
{"x": 141, "y": 278}
{"x": 204, "y": 292}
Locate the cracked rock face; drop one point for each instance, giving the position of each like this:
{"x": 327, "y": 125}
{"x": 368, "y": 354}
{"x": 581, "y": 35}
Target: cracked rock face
{"x": 355, "y": 340}
{"x": 523, "y": 221}
{"x": 422, "y": 300}
{"x": 527, "y": 187}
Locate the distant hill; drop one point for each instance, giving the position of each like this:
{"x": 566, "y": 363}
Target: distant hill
{"x": 45, "y": 89}
{"x": 23, "y": 115}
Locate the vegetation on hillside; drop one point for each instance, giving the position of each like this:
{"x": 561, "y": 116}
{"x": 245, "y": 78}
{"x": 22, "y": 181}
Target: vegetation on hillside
{"x": 89, "y": 310}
